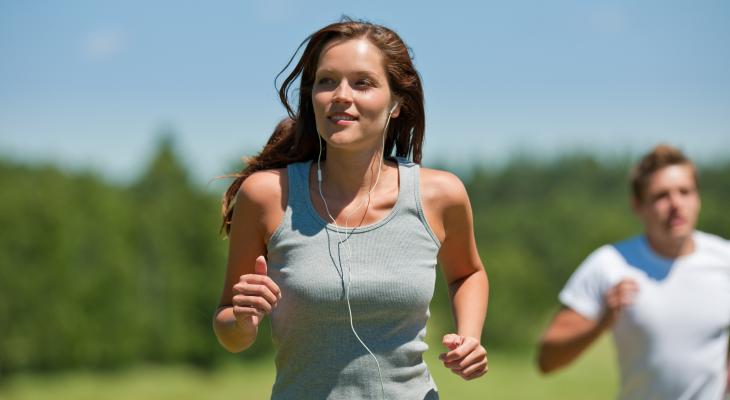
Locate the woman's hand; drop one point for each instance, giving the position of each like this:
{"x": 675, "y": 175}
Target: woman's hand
{"x": 466, "y": 356}
{"x": 254, "y": 296}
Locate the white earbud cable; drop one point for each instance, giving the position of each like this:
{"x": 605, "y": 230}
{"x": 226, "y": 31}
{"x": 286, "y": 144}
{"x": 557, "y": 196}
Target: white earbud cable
{"x": 346, "y": 243}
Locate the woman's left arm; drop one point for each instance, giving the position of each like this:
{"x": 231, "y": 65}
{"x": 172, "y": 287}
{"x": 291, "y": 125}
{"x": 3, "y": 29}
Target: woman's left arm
{"x": 448, "y": 210}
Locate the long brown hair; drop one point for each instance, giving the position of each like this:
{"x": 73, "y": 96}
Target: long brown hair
{"x": 295, "y": 138}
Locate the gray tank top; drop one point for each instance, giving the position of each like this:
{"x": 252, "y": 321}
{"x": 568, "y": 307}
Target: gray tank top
{"x": 393, "y": 269}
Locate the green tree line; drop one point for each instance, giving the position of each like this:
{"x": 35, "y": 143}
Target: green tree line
{"x": 101, "y": 275}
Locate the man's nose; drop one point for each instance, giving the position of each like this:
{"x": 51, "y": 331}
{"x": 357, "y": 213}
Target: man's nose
{"x": 675, "y": 199}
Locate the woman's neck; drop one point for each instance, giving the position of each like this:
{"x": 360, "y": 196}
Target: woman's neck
{"x": 347, "y": 175}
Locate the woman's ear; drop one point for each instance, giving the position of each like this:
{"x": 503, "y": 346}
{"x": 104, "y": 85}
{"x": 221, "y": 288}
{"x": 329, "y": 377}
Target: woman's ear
{"x": 395, "y": 108}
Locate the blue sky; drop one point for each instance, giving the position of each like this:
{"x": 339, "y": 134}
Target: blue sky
{"x": 89, "y": 84}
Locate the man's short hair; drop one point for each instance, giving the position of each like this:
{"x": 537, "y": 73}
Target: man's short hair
{"x": 661, "y": 156}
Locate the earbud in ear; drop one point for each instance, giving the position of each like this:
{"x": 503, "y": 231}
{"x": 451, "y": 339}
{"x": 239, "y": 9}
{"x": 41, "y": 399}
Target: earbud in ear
{"x": 392, "y": 110}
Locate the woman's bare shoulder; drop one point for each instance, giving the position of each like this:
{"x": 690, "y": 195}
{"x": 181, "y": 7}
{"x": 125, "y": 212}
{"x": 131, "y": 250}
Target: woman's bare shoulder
{"x": 442, "y": 188}
{"x": 263, "y": 189}
{"x": 444, "y": 200}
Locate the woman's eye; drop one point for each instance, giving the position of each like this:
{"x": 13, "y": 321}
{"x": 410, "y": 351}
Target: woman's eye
{"x": 364, "y": 83}
{"x": 325, "y": 81}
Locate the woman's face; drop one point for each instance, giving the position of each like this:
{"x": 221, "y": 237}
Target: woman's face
{"x": 351, "y": 95}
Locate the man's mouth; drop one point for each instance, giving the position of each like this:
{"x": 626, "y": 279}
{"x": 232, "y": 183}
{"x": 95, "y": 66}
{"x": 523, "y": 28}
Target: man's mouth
{"x": 676, "y": 221}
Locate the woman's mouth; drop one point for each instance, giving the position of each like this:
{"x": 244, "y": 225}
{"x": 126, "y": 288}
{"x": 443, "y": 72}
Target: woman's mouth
{"x": 342, "y": 118}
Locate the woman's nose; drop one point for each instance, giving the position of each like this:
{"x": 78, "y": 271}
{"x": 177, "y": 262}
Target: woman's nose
{"x": 342, "y": 93}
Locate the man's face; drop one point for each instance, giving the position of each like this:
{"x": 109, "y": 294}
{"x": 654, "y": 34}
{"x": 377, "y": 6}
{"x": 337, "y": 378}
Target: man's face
{"x": 670, "y": 205}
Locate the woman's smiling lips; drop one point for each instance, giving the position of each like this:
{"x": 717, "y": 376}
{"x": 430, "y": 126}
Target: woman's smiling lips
{"x": 342, "y": 118}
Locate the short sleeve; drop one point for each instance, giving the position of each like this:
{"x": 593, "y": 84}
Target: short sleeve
{"x": 584, "y": 290}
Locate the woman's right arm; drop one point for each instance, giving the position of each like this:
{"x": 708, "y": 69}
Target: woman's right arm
{"x": 248, "y": 293}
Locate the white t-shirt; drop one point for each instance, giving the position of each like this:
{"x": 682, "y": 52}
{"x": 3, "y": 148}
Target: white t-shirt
{"x": 672, "y": 342}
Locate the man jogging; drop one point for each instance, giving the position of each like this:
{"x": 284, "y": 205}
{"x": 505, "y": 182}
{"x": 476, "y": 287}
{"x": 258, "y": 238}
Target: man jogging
{"x": 665, "y": 294}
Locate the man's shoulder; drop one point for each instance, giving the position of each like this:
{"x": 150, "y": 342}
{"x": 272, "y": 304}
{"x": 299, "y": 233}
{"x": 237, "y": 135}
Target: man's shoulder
{"x": 614, "y": 261}
{"x": 711, "y": 239}
{"x": 712, "y": 244}
{"x": 612, "y": 252}
{"x": 605, "y": 256}
{"x": 585, "y": 288}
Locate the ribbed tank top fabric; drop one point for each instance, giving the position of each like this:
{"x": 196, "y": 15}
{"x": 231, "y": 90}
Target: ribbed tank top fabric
{"x": 391, "y": 265}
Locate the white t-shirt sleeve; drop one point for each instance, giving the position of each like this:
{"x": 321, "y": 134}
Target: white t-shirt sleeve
{"x": 584, "y": 290}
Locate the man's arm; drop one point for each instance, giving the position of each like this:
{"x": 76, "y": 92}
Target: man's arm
{"x": 570, "y": 333}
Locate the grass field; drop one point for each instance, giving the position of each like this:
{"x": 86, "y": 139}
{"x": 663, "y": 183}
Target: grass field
{"x": 514, "y": 376}
{"x": 511, "y": 376}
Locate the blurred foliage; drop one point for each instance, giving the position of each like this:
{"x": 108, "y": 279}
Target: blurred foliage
{"x": 101, "y": 275}
{"x": 98, "y": 275}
